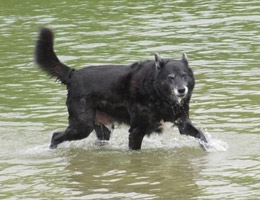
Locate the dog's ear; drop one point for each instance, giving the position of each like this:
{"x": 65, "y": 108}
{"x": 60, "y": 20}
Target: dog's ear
{"x": 158, "y": 61}
{"x": 185, "y": 59}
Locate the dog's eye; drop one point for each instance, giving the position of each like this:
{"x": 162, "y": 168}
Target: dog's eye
{"x": 171, "y": 77}
{"x": 184, "y": 76}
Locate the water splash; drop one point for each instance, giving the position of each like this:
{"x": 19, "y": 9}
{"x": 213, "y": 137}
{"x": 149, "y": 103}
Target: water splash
{"x": 170, "y": 139}
{"x": 214, "y": 145}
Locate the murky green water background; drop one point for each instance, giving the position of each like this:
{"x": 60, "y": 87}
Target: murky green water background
{"x": 221, "y": 39}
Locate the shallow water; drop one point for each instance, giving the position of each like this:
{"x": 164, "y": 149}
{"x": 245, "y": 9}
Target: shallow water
{"x": 222, "y": 42}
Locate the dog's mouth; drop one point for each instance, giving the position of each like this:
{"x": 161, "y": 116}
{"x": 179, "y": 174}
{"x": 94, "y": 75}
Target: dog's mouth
{"x": 180, "y": 95}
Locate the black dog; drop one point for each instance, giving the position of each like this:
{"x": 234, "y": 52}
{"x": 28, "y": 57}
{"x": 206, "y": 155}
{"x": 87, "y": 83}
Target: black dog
{"x": 142, "y": 95}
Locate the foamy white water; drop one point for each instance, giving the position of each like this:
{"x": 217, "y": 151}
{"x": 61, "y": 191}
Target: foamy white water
{"x": 169, "y": 139}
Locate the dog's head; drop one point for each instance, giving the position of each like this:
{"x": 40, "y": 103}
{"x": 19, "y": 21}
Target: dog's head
{"x": 174, "y": 80}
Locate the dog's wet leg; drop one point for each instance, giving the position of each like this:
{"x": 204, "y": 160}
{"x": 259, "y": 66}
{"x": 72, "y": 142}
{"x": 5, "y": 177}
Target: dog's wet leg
{"x": 56, "y": 139}
{"x": 71, "y": 133}
{"x": 102, "y": 132}
{"x": 139, "y": 127}
{"x": 136, "y": 137}
{"x": 186, "y": 127}
{"x": 81, "y": 123}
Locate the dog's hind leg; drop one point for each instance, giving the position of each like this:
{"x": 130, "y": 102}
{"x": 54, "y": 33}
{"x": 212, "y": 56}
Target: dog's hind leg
{"x": 81, "y": 122}
{"x": 102, "y": 132}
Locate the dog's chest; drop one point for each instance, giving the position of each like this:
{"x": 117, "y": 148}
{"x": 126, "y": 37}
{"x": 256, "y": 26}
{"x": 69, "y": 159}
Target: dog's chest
{"x": 165, "y": 112}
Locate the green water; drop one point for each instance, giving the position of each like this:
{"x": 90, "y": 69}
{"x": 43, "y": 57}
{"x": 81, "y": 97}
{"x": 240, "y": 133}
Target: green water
{"x": 222, "y": 41}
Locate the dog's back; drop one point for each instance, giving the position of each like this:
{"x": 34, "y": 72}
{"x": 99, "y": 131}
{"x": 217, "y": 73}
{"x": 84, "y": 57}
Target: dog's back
{"x": 106, "y": 82}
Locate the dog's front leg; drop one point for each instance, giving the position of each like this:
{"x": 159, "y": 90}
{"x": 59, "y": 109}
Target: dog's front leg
{"x": 136, "y": 137}
{"x": 140, "y": 125}
{"x": 186, "y": 127}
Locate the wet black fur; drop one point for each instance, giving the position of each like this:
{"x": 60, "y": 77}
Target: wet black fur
{"x": 140, "y": 95}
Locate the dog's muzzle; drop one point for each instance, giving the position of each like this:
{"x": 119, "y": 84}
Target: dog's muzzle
{"x": 180, "y": 93}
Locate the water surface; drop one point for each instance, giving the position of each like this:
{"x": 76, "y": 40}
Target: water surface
{"x": 221, "y": 39}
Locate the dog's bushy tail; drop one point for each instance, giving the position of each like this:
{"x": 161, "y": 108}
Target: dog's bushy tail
{"x": 46, "y": 58}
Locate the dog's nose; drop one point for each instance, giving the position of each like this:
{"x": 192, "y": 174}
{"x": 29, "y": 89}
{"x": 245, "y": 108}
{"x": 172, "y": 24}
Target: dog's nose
{"x": 181, "y": 90}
